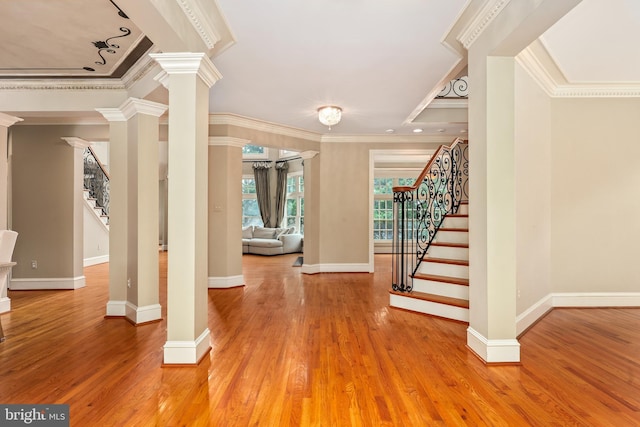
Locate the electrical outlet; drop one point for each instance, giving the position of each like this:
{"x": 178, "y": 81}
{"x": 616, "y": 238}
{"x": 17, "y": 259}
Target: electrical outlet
{"x": 518, "y": 293}
{"x": 128, "y": 283}
{"x": 34, "y": 264}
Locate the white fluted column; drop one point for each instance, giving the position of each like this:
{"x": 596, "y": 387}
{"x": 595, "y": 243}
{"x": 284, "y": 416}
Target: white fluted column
{"x": 188, "y": 77}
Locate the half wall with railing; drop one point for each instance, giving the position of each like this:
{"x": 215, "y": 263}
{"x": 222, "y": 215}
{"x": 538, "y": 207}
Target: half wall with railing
{"x": 419, "y": 210}
{"x": 96, "y": 180}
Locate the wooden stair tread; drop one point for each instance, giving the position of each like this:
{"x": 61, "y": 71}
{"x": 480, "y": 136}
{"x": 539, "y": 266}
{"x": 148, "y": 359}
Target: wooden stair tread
{"x": 446, "y": 261}
{"x": 466, "y": 230}
{"x": 456, "y": 302}
{"x": 444, "y": 279}
{"x": 457, "y": 216}
{"x": 451, "y": 245}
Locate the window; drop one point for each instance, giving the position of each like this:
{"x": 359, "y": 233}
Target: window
{"x": 254, "y": 152}
{"x": 383, "y": 202}
{"x": 294, "y": 208}
{"x": 250, "y": 209}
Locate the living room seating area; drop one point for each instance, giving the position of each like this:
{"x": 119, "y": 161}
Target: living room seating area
{"x": 270, "y": 241}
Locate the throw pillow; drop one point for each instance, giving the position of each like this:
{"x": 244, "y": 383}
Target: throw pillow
{"x": 247, "y": 232}
{"x": 264, "y": 233}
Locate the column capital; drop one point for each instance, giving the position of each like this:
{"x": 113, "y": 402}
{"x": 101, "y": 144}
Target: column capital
{"x": 186, "y": 63}
{"x": 76, "y": 142}
{"x": 133, "y": 106}
{"x": 112, "y": 114}
{"x": 6, "y": 120}
{"x": 228, "y": 141}
{"x": 310, "y": 154}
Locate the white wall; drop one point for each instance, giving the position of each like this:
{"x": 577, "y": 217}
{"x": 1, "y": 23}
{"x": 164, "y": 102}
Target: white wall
{"x": 533, "y": 191}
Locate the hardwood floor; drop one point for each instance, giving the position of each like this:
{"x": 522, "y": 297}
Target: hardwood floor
{"x": 314, "y": 350}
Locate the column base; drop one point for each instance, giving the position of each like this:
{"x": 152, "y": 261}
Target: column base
{"x": 5, "y": 304}
{"x": 145, "y": 314}
{"x": 493, "y": 351}
{"x": 226, "y": 282}
{"x": 116, "y": 308}
{"x": 187, "y": 352}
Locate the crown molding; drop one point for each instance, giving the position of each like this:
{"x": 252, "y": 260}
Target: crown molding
{"x": 141, "y": 68}
{"x": 61, "y": 84}
{"x": 260, "y": 125}
{"x": 194, "y": 13}
{"x": 474, "y": 27}
{"x": 539, "y": 64}
{"x": 7, "y": 120}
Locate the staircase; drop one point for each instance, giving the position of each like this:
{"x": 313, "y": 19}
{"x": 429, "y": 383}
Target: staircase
{"x": 96, "y": 185}
{"x": 441, "y": 284}
{"x": 97, "y": 210}
{"x": 431, "y": 238}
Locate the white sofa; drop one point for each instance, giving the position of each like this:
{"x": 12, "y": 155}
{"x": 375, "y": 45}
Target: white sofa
{"x": 270, "y": 241}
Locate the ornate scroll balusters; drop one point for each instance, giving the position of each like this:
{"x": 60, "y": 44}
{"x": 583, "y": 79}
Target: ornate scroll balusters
{"x": 96, "y": 180}
{"x": 403, "y": 241}
{"x": 419, "y": 211}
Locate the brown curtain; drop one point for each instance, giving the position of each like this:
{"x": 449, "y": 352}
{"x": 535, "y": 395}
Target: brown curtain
{"x": 281, "y": 191}
{"x": 263, "y": 194}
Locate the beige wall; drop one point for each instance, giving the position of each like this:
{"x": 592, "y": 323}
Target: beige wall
{"x": 43, "y": 198}
{"x": 595, "y": 208}
{"x": 533, "y": 191}
{"x": 225, "y": 211}
{"x": 345, "y": 198}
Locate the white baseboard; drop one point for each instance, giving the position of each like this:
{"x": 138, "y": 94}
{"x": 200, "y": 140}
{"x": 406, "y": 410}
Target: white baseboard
{"x": 493, "y": 351}
{"x": 144, "y": 314}
{"x": 186, "y": 352}
{"x": 116, "y": 308}
{"x": 533, "y": 313}
{"x": 574, "y": 300}
{"x": 226, "y": 282}
{"x": 87, "y": 262}
{"x": 336, "y": 268}
{"x": 47, "y": 283}
{"x": 5, "y": 304}
{"x": 596, "y": 299}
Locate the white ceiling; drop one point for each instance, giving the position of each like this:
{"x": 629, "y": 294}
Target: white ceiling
{"x": 377, "y": 59}
{"x": 596, "y": 42}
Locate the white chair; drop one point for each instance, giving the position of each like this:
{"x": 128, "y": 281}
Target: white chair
{"x": 7, "y": 243}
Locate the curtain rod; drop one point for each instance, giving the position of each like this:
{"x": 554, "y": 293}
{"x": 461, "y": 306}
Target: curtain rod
{"x": 271, "y": 161}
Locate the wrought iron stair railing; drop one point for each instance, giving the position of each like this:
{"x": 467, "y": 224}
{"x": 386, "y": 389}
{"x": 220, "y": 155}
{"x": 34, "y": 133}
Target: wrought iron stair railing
{"x": 419, "y": 210}
{"x": 96, "y": 180}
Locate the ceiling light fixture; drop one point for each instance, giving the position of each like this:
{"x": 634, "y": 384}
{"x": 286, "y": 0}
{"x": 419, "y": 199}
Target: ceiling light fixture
{"x": 329, "y": 115}
{"x": 417, "y": 130}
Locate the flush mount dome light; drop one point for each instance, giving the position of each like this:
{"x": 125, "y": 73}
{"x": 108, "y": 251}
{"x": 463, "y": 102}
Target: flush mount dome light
{"x": 329, "y": 115}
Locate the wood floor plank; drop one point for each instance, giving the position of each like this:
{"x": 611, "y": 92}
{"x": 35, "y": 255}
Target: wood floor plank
{"x": 314, "y": 350}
